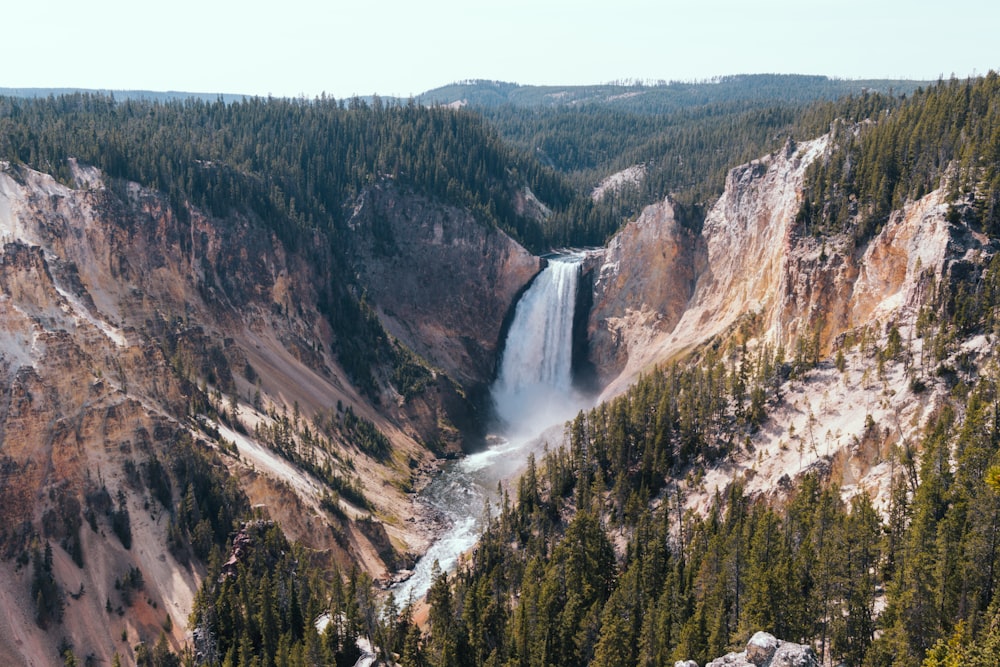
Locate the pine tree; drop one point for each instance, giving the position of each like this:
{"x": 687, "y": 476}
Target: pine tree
{"x": 443, "y": 647}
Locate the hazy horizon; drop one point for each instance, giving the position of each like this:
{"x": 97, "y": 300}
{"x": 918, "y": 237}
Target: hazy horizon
{"x": 398, "y": 49}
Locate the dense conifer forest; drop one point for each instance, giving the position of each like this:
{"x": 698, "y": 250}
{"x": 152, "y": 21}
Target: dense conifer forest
{"x": 686, "y": 152}
{"x": 950, "y": 130}
{"x": 284, "y": 161}
{"x": 544, "y": 587}
{"x": 915, "y": 587}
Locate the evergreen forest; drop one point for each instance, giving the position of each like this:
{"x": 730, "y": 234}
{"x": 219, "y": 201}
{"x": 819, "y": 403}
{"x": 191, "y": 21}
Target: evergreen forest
{"x": 590, "y": 557}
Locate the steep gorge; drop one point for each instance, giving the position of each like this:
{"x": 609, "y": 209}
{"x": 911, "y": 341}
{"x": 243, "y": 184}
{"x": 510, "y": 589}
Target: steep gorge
{"x": 136, "y": 336}
{"x": 800, "y": 435}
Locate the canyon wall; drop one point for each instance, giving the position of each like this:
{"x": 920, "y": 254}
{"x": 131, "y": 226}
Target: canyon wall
{"x": 126, "y": 325}
{"x": 663, "y": 290}
{"x": 751, "y": 277}
{"x": 442, "y": 281}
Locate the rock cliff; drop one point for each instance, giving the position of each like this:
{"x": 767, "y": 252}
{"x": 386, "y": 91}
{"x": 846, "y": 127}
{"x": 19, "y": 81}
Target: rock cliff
{"x": 682, "y": 289}
{"x": 131, "y": 331}
{"x": 663, "y": 290}
{"x": 442, "y": 281}
{"x": 752, "y": 276}
{"x": 642, "y": 289}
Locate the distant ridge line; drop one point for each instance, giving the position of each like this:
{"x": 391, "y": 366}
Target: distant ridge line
{"x": 150, "y": 95}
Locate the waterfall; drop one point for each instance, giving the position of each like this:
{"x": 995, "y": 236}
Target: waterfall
{"x": 534, "y": 386}
{"x": 533, "y": 391}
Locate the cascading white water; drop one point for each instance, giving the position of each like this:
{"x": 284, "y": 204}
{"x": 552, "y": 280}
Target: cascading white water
{"x": 533, "y": 390}
{"x": 534, "y": 386}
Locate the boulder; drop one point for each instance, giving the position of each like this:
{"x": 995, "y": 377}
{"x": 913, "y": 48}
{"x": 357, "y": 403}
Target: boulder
{"x": 761, "y": 648}
{"x": 765, "y": 650}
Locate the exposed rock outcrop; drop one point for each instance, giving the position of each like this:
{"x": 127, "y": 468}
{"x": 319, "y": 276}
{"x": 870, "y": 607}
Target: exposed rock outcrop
{"x": 753, "y": 275}
{"x": 764, "y": 650}
{"x": 662, "y": 291}
{"x": 441, "y": 280}
{"x": 642, "y": 289}
{"x": 700, "y": 285}
{"x": 630, "y": 176}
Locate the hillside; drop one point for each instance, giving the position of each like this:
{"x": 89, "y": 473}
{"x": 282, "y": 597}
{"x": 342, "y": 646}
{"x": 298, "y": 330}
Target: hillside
{"x": 201, "y": 336}
{"x": 148, "y": 405}
{"x": 664, "y": 97}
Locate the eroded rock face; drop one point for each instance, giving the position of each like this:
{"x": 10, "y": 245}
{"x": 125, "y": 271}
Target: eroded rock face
{"x": 642, "y": 287}
{"x": 704, "y": 284}
{"x": 442, "y": 281}
{"x": 917, "y": 242}
{"x": 82, "y": 390}
{"x": 113, "y": 308}
{"x": 759, "y": 278}
{"x": 661, "y": 292}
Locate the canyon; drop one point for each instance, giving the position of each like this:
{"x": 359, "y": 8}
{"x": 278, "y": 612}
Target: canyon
{"x": 125, "y": 322}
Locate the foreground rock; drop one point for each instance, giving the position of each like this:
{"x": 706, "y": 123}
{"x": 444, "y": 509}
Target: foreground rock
{"x": 764, "y": 650}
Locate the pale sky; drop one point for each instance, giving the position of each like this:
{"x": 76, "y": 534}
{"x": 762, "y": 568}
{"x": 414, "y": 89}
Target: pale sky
{"x": 403, "y": 47}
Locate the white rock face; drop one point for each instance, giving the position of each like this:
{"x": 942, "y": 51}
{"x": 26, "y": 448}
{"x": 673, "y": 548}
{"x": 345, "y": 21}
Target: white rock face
{"x": 761, "y": 647}
{"x": 629, "y": 176}
{"x": 747, "y": 240}
{"x": 660, "y": 295}
{"x": 914, "y": 240}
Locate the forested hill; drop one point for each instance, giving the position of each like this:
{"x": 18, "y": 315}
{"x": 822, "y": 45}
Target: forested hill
{"x": 296, "y": 168}
{"x": 281, "y": 159}
{"x": 686, "y": 148}
{"x": 665, "y": 97}
{"x": 685, "y": 153}
{"x": 684, "y": 135}
{"x": 948, "y": 133}
{"x": 147, "y": 95}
